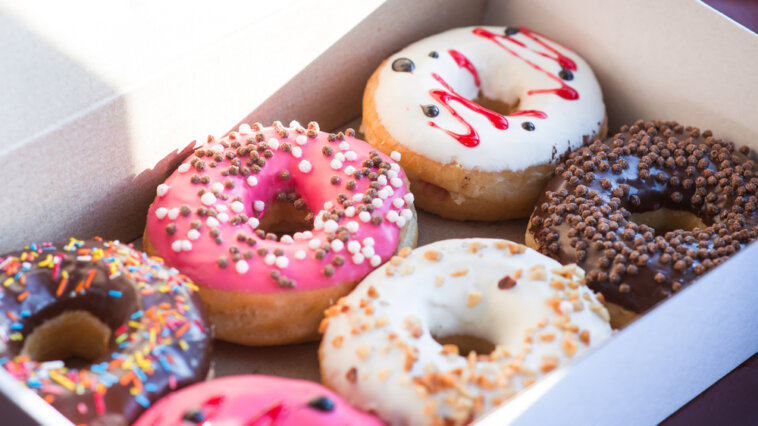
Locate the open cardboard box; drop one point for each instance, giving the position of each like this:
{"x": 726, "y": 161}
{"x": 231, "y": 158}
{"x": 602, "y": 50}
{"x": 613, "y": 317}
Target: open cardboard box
{"x": 95, "y": 118}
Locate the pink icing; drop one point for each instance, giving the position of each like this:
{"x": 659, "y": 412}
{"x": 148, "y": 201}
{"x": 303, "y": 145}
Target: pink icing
{"x": 297, "y": 262}
{"x": 253, "y": 400}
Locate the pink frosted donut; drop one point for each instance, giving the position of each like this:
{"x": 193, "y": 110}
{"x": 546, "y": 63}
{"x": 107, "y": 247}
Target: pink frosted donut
{"x": 254, "y": 400}
{"x": 226, "y": 218}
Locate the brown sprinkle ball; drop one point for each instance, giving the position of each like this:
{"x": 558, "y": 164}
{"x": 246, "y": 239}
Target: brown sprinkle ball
{"x": 586, "y": 214}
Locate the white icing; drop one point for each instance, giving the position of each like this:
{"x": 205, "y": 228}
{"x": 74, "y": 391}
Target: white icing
{"x": 458, "y": 293}
{"x": 399, "y": 96}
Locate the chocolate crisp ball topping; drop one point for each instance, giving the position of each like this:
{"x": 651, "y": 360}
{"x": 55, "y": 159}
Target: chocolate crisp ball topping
{"x": 586, "y": 213}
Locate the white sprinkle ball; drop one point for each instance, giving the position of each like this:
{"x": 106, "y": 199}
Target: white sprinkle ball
{"x": 330, "y": 225}
{"x": 349, "y": 170}
{"x": 358, "y": 258}
{"x": 340, "y": 156}
{"x": 398, "y": 202}
{"x": 301, "y": 139}
{"x": 364, "y": 216}
{"x": 208, "y": 199}
{"x": 176, "y": 246}
{"x": 566, "y": 307}
{"x": 184, "y": 168}
{"x": 297, "y": 152}
{"x": 351, "y": 156}
{"x": 253, "y": 222}
{"x": 173, "y": 213}
{"x": 396, "y": 182}
{"x": 400, "y": 222}
{"x": 328, "y": 205}
{"x": 392, "y": 216}
{"x": 222, "y": 217}
{"x": 241, "y": 266}
{"x": 161, "y": 190}
{"x": 252, "y": 180}
{"x": 295, "y": 124}
{"x": 391, "y": 174}
{"x": 273, "y": 143}
{"x": 286, "y": 239}
{"x": 394, "y": 167}
{"x": 395, "y": 155}
{"x": 193, "y": 234}
{"x": 282, "y": 262}
{"x": 368, "y": 241}
{"x": 377, "y": 202}
{"x": 368, "y": 251}
{"x": 217, "y": 187}
{"x": 314, "y": 243}
{"x": 212, "y": 222}
{"x": 407, "y": 214}
{"x": 300, "y": 254}
{"x": 222, "y": 207}
{"x": 350, "y": 211}
{"x": 383, "y": 193}
{"x": 353, "y": 246}
{"x": 186, "y": 245}
{"x": 237, "y": 206}
{"x": 245, "y": 128}
{"x": 259, "y": 205}
{"x": 408, "y": 198}
{"x": 382, "y": 180}
{"x": 307, "y": 234}
{"x": 335, "y": 164}
{"x": 375, "y": 260}
{"x": 352, "y": 226}
{"x": 269, "y": 259}
{"x": 358, "y": 196}
{"x": 161, "y": 212}
{"x": 305, "y": 166}
{"x": 337, "y": 245}
{"x": 344, "y": 146}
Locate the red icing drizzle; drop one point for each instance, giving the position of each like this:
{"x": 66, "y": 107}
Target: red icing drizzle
{"x": 463, "y": 62}
{"x": 528, "y": 113}
{"x": 470, "y": 139}
{"x": 565, "y": 91}
{"x": 272, "y": 416}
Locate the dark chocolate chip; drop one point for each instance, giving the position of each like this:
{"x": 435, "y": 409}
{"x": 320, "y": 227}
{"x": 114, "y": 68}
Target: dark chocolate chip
{"x": 528, "y": 126}
{"x": 430, "y": 110}
{"x": 566, "y": 74}
{"x": 322, "y": 403}
{"x": 403, "y": 65}
{"x": 434, "y": 54}
{"x": 512, "y": 31}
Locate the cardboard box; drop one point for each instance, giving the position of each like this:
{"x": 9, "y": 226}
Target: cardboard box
{"x": 100, "y": 106}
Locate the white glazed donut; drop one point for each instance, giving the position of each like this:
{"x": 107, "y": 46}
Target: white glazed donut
{"x": 379, "y": 352}
{"x": 430, "y": 102}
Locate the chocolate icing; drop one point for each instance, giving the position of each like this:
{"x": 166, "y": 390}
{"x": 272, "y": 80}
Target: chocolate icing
{"x": 150, "y": 309}
{"x": 584, "y": 216}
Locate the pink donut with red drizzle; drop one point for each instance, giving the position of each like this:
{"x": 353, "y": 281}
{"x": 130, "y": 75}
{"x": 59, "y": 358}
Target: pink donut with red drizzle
{"x": 274, "y": 224}
{"x": 255, "y": 401}
{"x": 481, "y": 116}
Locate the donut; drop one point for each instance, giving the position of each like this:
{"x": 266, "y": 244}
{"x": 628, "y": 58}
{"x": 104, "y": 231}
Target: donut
{"x": 226, "y": 217}
{"x": 254, "y": 400}
{"x": 98, "y": 329}
{"x": 384, "y": 344}
{"x": 481, "y": 115}
{"x": 647, "y": 211}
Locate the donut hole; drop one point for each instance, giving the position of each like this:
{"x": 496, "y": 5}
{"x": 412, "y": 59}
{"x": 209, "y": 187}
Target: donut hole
{"x": 665, "y": 220}
{"x": 78, "y": 338}
{"x": 466, "y": 343}
{"x": 497, "y": 105}
{"x": 285, "y": 217}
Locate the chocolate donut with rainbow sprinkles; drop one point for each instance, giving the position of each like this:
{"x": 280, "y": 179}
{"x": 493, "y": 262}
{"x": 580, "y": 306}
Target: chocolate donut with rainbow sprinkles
{"x": 276, "y": 223}
{"x": 481, "y": 116}
{"x": 99, "y": 329}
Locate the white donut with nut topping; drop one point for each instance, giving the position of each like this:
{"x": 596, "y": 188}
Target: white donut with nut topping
{"x": 381, "y": 348}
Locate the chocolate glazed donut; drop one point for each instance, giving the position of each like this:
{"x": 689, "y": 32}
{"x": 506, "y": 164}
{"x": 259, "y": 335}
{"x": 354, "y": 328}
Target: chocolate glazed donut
{"x": 98, "y": 329}
{"x": 647, "y": 211}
